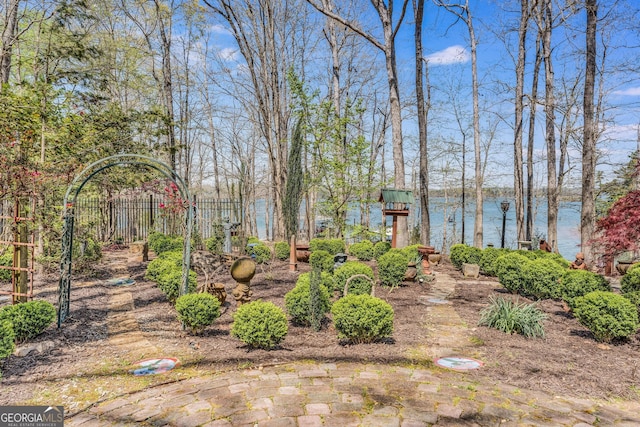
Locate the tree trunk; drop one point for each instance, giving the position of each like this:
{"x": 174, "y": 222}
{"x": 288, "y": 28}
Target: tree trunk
{"x": 587, "y": 216}
{"x": 8, "y": 39}
{"x": 530, "y": 138}
{"x": 518, "y": 186}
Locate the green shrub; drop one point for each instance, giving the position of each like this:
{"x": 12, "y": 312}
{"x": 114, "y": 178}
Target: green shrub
{"x": 530, "y": 255}
{"x": 29, "y": 319}
{"x": 171, "y": 282}
{"x": 357, "y": 286}
{"x": 197, "y": 311}
{"x": 6, "y": 259}
{"x": 87, "y": 250}
{"x": 164, "y": 263}
{"x": 411, "y": 253}
{"x": 577, "y": 283}
{"x": 392, "y": 268}
{"x": 259, "y": 252}
{"x": 509, "y": 271}
{"x": 630, "y": 282}
{"x": 283, "y": 251}
{"x": 319, "y": 305}
{"x": 463, "y": 254}
{"x": 322, "y": 259}
{"x": 488, "y": 259}
{"x": 607, "y": 315}
{"x": 298, "y": 301}
{"x": 160, "y": 243}
{"x": 326, "y": 279}
{"x": 633, "y": 267}
{"x": 253, "y": 239}
{"x": 542, "y": 278}
{"x": 557, "y": 258}
{"x": 259, "y": 324}
{"x": 7, "y": 339}
{"x": 380, "y": 249}
{"x": 333, "y": 246}
{"x": 215, "y": 244}
{"x": 362, "y": 250}
{"x": 511, "y": 317}
{"x": 362, "y": 318}
{"x": 634, "y": 297}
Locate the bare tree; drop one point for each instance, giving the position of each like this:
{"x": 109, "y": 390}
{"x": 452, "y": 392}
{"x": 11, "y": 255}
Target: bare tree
{"x": 8, "y": 38}
{"x": 387, "y": 46}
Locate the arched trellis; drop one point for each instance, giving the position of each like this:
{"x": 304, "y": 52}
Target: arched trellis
{"x": 69, "y": 205}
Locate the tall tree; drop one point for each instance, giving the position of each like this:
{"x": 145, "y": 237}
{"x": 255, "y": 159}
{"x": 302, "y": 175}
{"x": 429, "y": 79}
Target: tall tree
{"x": 293, "y": 193}
{"x": 9, "y": 30}
{"x": 588, "y": 212}
{"x": 388, "y": 48}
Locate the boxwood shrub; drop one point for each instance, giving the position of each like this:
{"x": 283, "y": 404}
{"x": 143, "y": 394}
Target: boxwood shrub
{"x": 28, "y": 319}
{"x": 7, "y": 339}
{"x": 160, "y": 243}
{"x": 509, "y": 269}
{"x": 362, "y": 250}
{"x": 381, "y": 248}
{"x": 542, "y": 278}
{"x": 577, "y": 283}
{"x": 607, "y": 315}
{"x": 630, "y": 282}
{"x": 283, "y": 251}
{"x": 321, "y": 259}
{"x": 259, "y": 252}
{"x": 164, "y": 263}
{"x": 362, "y": 318}
{"x": 260, "y": 324}
{"x": 197, "y": 311}
{"x": 488, "y": 259}
{"x": 358, "y": 285}
{"x": 298, "y": 301}
{"x": 171, "y": 281}
{"x": 411, "y": 253}
{"x": 6, "y": 259}
{"x": 392, "y": 268}
{"x": 333, "y": 246}
{"x": 634, "y": 297}
{"x": 462, "y": 254}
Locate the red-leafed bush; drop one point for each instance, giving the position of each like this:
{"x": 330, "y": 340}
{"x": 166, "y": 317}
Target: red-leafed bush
{"x": 619, "y": 230}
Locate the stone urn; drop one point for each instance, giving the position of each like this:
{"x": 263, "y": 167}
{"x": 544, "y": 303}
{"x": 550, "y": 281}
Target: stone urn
{"x": 470, "y": 270}
{"x": 412, "y": 272}
{"x": 242, "y": 271}
{"x": 435, "y": 258}
{"x": 623, "y": 266}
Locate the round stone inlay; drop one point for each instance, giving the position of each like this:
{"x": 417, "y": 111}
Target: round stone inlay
{"x": 459, "y": 363}
{"x": 154, "y": 366}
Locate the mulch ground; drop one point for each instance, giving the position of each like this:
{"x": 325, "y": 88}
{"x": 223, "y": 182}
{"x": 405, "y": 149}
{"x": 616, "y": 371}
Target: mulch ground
{"x": 568, "y": 361}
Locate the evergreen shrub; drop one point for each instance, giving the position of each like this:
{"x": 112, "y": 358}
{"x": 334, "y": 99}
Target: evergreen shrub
{"x": 298, "y": 301}
{"x": 577, "y": 283}
{"x": 283, "y": 251}
{"x": 607, "y": 315}
{"x": 634, "y": 297}
{"x": 362, "y": 250}
{"x": 509, "y": 269}
{"x": 357, "y": 286}
{"x": 197, "y": 311}
{"x": 488, "y": 259}
{"x": 171, "y": 282}
{"x": 7, "y": 339}
{"x": 511, "y": 317}
{"x": 392, "y": 267}
{"x": 333, "y": 246}
{"x": 322, "y": 259}
{"x": 260, "y": 252}
{"x": 381, "y": 248}
{"x": 326, "y": 279}
{"x": 463, "y": 254}
{"x": 160, "y": 243}
{"x": 28, "y": 319}
{"x": 260, "y": 324}
{"x": 6, "y": 259}
{"x": 411, "y": 253}
{"x": 167, "y": 261}
{"x": 630, "y": 282}
{"x": 542, "y": 277}
{"x": 362, "y": 318}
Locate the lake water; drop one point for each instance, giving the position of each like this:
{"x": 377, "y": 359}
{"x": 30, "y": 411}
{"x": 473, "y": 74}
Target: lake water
{"x": 446, "y": 218}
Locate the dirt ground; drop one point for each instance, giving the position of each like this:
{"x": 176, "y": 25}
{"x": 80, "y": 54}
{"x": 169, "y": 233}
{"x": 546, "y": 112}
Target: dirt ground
{"x": 568, "y": 361}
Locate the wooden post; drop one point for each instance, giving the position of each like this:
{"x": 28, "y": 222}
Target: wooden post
{"x": 394, "y": 230}
{"x": 293, "y": 258}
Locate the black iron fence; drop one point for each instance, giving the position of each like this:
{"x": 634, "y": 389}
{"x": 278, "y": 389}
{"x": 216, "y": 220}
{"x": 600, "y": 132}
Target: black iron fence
{"x": 127, "y": 219}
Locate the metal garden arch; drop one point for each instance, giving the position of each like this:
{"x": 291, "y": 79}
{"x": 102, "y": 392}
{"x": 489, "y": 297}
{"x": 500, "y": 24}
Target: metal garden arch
{"x": 69, "y": 204}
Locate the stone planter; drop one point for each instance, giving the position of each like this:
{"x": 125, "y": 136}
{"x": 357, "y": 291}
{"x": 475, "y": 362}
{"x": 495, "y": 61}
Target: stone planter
{"x": 435, "y": 259}
{"x": 471, "y": 270}
{"x": 412, "y": 272}
{"x": 623, "y": 266}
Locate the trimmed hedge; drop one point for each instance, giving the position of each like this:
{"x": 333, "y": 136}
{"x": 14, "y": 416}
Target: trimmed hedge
{"x": 7, "y": 339}
{"x": 163, "y": 264}
{"x": 333, "y": 246}
{"x": 283, "y": 251}
{"x": 362, "y": 250}
{"x": 509, "y": 269}
{"x": 542, "y": 278}
{"x": 577, "y": 283}
{"x": 607, "y": 315}
{"x": 362, "y": 318}
{"x": 298, "y": 301}
{"x": 260, "y": 324}
{"x": 630, "y": 282}
{"x": 197, "y": 311}
{"x": 170, "y": 283}
{"x": 488, "y": 260}
{"x": 160, "y": 243}
{"x": 358, "y": 285}
{"x": 380, "y": 249}
{"x": 29, "y": 319}
{"x": 260, "y": 253}
{"x": 463, "y": 254}
{"x": 322, "y": 259}
{"x": 392, "y": 267}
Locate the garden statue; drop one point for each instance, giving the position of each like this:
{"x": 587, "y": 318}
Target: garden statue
{"x": 579, "y": 263}
{"x": 339, "y": 260}
{"x": 242, "y": 271}
{"x": 544, "y": 246}
{"x": 227, "y": 226}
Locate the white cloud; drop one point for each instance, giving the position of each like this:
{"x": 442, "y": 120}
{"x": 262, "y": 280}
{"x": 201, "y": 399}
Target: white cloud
{"x": 632, "y": 91}
{"x": 219, "y": 29}
{"x": 228, "y": 54}
{"x": 452, "y": 55}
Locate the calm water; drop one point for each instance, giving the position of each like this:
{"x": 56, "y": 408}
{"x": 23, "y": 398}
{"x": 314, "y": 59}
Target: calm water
{"x": 446, "y": 220}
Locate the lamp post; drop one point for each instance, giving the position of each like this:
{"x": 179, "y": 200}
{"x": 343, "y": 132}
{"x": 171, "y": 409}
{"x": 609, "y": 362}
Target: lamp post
{"x": 504, "y": 205}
